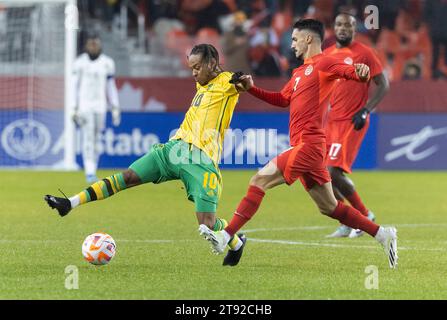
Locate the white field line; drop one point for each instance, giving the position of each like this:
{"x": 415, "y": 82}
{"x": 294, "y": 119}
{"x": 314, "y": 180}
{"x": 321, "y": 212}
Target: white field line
{"x": 336, "y": 245}
{"x": 6, "y": 241}
{"x": 150, "y": 241}
{"x": 310, "y": 243}
{"x": 274, "y": 241}
{"x": 43, "y": 241}
{"x": 256, "y": 240}
{"x": 304, "y": 228}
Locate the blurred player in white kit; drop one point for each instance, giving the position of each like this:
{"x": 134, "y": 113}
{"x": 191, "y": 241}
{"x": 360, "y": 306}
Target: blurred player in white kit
{"x": 94, "y": 89}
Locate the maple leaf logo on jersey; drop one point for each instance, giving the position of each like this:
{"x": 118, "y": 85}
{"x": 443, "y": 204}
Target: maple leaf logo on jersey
{"x": 309, "y": 70}
{"x": 349, "y": 61}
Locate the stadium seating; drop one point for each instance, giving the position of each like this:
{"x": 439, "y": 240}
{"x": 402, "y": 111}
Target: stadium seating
{"x": 408, "y": 41}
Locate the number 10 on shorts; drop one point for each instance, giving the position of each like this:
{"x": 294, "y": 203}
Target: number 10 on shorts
{"x": 210, "y": 180}
{"x": 334, "y": 150}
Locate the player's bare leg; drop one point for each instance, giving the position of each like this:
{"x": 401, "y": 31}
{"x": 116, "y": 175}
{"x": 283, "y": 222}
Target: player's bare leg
{"x": 326, "y": 202}
{"x": 347, "y": 189}
{"x": 337, "y": 193}
{"x": 97, "y": 191}
{"x": 344, "y": 187}
{"x": 206, "y": 218}
{"x": 268, "y": 177}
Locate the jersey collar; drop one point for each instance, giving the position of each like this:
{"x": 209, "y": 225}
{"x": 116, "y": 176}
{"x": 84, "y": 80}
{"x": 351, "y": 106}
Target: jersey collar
{"x": 342, "y": 49}
{"x": 313, "y": 59}
{"x": 211, "y": 82}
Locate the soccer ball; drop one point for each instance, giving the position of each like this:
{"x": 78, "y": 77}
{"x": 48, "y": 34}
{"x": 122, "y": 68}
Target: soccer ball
{"x": 98, "y": 248}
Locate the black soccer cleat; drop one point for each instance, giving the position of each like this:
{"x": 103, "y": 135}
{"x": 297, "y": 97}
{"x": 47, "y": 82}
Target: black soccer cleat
{"x": 62, "y": 205}
{"x": 232, "y": 258}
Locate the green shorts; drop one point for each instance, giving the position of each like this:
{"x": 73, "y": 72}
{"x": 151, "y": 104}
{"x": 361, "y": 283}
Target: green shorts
{"x": 176, "y": 160}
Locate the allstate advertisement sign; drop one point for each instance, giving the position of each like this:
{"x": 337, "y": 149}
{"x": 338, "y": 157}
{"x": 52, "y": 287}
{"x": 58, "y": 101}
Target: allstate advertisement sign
{"x": 251, "y": 142}
{"x": 31, "y": 139}
{"x": 413, "y": 142}
{"x": 120, "y": 146}
{"x": 36, "y": 139}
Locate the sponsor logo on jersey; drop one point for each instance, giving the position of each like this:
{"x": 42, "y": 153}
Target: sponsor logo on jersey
{"x": 25, "y": 139}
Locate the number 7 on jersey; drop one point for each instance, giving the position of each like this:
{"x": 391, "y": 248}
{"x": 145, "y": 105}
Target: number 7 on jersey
{"x": 297, "y": 79}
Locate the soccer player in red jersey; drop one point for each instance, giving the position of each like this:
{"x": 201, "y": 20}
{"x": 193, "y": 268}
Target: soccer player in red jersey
{"x": 307, "y": 93}
{"x": 348, "y": 119}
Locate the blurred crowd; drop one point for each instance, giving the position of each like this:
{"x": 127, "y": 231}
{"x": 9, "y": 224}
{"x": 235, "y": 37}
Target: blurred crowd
{"x": 254, "y": 35}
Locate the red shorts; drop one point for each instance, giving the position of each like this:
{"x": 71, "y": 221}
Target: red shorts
{"x": 344, "y": 143}
{"x": 305, "y": 161}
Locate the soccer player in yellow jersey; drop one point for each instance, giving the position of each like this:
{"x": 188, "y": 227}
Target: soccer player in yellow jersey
{"x": 191, "y": 155}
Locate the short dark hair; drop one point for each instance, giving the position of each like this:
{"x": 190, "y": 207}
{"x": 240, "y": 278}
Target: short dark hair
{"x": 312, "y": 25}
{"x": 208, "y": 52}
{"x": 345, "y": 13}
{"x": 92, "y": 35}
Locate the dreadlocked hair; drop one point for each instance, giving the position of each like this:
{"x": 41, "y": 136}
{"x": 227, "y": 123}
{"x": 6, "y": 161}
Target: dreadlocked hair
{"x": 208, "y": 53}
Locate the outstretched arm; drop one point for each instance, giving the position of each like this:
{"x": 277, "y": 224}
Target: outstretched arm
{"x": 112, "y": 93}
{"x": 382, "y": 87}
{"x": 382, "y": 83}
{"x": 275, "y": 98}
{"x": 336, "y": 69}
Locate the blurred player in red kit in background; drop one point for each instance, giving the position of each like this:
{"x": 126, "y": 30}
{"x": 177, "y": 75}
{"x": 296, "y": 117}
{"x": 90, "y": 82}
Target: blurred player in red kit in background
{"x": 349, "y": 116}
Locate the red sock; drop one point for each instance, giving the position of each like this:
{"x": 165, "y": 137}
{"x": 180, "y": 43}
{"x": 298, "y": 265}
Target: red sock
{"x": 246, "y": 209}
{"x": 351, "y": 217}
{"x": 357, "y": 203}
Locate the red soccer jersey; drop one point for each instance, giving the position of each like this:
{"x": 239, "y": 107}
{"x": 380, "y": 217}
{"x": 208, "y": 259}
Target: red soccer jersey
{"x": 350, "y": 96}
{"x": 307, "y": 93}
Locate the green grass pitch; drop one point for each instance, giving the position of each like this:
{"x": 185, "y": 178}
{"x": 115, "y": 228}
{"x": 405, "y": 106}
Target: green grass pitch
{"x": 161, "y": 256}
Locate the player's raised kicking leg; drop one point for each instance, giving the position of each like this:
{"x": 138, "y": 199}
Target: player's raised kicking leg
{"x": 144, "y": 170}
{"x": 270, "y": 176}
{"x": 102, "y": 189}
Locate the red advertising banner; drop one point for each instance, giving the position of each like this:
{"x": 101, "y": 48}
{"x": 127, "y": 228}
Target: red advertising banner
{"x": 166, "y": 94}
{"x": 175, "y": 95}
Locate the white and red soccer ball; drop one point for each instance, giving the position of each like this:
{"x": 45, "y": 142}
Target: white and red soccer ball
{"x": 98, "y": 248}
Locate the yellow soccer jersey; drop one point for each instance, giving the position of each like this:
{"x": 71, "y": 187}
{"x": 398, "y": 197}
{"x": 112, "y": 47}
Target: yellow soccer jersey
{"x": 210, "y": 115}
